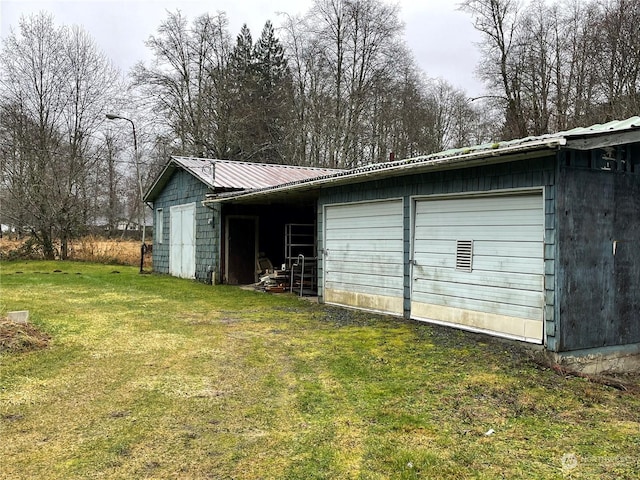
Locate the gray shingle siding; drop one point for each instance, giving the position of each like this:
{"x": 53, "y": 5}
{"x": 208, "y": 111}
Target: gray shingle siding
{"x": 184, "y": 188}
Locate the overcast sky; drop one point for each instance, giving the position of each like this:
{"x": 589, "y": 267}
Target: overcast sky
{"x": 440, "y": 37}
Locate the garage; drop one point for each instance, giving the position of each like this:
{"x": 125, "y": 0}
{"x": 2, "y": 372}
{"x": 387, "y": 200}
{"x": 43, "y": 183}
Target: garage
{"x": 478, "y": 263}
{"x": 182, "y": 249}
{"x": 363, "y": 255}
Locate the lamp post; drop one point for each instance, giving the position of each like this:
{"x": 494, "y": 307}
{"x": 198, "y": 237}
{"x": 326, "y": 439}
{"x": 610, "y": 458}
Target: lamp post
{"x": 142, "y": 216}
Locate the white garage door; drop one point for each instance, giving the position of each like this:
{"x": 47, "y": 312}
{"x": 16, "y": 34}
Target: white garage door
{"x": 363, "y": 260}
{"x": 479, "y": 264}
{"x": 182, "y": 245}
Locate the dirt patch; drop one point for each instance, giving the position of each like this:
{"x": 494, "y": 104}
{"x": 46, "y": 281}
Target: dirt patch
{"x": 18, "y": 337}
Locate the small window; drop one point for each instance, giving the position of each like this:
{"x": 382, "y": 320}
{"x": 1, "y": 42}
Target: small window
{"x": 158, "y": 226}
{"x": 464, "y": 255}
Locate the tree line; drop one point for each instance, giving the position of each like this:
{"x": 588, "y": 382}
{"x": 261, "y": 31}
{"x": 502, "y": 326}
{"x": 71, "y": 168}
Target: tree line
{"x": 335, "y": 87}
{"x": 553, "y": 66}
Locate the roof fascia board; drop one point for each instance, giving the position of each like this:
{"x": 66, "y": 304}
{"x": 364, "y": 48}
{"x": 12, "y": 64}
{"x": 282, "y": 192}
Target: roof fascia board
{"x": 172, "y": 165}
{"x": 484, "y": 157}
{"x": 161, "y": 180}
{"x": 606, "y": 139}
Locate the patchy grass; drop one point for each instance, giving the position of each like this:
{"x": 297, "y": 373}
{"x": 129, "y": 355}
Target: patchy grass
{"x": 155, "y": 377}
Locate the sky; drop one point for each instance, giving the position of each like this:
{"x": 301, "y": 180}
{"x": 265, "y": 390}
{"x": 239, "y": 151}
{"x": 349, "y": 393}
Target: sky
{"x": 441, "y": 37}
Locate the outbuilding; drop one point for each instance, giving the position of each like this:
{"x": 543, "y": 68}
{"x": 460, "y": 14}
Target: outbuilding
{"x": 535, "y": 239}
{"x": 215, "y": 243}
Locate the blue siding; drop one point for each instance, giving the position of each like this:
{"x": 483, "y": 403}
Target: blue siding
{"x": 181, "y": 189}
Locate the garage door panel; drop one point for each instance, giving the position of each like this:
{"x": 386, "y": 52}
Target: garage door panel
{"x": 507, "y": 249}
{"x": 343, "y": 246}
{"x": 489, "y": 307}
{"x": 497, "y": 279}
{"x": 362, "y": 233}
{"x": 499, "y": 295}
{"x": 428, "y": 260}
{"x": 386, "y": 257}
{"x": 488, "y": 218}
{"x": 439, "y": 247}
{"x": 363, "y": 255}
{"x": 357, "y": 284}
{"x": 503, "y": 291}
{"x": 382, "y": 221}
{"x": 508, "y": 264}
{"x": 376, "y": 281}
{"x": 520, "y": 234}
{"x": 506, "y": 326}
{"x": 376, "y": 302}
{"x": 367, "y": 209}
{"x": 482, "y": 262}
{"x": 373, "y": 268}
{"x": 483, "y": 248}
{"x": 498, "y": 203}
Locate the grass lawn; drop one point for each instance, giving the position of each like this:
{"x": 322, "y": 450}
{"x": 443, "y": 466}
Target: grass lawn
{"x": 149, "y": 376}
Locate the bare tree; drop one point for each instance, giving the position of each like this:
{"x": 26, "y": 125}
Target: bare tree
{"x": 328, "y": 92}
{"x": 498, "y": 21}
{"x": 619, "y": 57}
{"x": 561, "y": 64}
{"x": 339, "y": 53}
{"x": 187, "y": 81}
{"x": 54, "y": 87}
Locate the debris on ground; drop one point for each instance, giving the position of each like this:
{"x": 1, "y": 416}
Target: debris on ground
{"x": 273, "y": 281}
{"x": 21, "y": 337}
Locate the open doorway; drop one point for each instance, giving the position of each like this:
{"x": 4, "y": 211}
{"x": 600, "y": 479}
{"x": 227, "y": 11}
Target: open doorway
{"x": 241, "y": 247}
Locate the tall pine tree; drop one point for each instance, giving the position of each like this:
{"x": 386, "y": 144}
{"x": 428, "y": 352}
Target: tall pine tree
{"x": 262, "y": 98}
{"x": 243, "y": 87}
{"x": 274, "y": 97}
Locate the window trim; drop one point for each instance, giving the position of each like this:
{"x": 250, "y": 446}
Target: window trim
{"x": 159, "y": 226}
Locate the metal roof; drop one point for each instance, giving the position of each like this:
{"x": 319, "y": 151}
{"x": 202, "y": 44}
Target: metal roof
{"x": 453, "y": 158}
{"x": 230, "y": 175}
{"x": 246, "y": 175}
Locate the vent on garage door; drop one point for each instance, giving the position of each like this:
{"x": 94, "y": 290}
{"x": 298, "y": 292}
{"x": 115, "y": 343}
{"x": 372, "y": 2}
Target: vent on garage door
{"x": 464, "y": 255}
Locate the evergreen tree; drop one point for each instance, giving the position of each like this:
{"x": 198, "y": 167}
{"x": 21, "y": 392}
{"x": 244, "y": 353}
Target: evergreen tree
{"x": 274, "y": 96}
{"x": 261, "y": 89}
{"x": 243, "y": 88}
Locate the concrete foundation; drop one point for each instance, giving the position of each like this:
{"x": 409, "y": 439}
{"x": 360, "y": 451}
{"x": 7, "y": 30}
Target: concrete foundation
{"x": 597, "y": 361}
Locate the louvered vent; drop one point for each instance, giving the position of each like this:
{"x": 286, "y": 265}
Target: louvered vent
{"x": 464, "y": 255}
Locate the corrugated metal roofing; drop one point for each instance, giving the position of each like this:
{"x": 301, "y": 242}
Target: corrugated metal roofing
{"x": 225, "y": 175}
{"x": 229, "y": 174}
{"x": 533, "y": 141}
{"x": 613, "y": 126}
{"x": 457, "y": 156}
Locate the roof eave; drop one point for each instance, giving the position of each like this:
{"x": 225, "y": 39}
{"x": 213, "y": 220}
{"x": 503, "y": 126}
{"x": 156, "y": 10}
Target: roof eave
{"x": 470, "y": 159}
{"x": 603, "y": 139}
{"x": 161, "y": 180}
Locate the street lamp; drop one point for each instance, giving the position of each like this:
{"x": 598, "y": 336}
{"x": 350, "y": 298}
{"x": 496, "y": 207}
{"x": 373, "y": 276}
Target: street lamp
{"x": 142, "y": 216}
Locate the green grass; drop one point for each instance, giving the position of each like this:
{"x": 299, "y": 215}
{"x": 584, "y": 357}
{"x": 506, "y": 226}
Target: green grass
{"x": 149, "y": 376}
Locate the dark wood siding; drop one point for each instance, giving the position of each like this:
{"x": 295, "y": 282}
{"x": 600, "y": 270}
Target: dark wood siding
{"x": 599, "y": 290}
